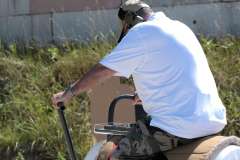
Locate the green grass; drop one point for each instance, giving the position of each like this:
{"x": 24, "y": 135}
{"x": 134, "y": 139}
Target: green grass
{"x": 224, "y": 60}
{"x": 30, "y": 75}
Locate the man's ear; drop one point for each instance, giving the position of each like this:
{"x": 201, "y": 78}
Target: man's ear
{"x": 126, "y": 29}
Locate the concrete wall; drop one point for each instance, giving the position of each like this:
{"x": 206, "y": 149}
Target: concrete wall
{"x": 209, "y": 19}
{"x": 26, "y": 27}
{"x": 80, "y": 25}
{"x": 14, "y": 7}
{"x": 51, "y": 6}
{"x": 165, "y": 3}
{"x": 43, "y": 20}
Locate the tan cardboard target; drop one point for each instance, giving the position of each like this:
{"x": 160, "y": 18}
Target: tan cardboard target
{"x": 100, "y": 100}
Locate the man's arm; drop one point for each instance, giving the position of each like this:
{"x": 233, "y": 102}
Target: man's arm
{"x": 97, "y": 75}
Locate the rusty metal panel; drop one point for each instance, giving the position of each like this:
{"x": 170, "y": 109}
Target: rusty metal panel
{"x": 51, "y": 6}
{"x": 14, "y": 7}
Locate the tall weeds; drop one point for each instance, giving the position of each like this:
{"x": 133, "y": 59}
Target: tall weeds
{"x": 29, "y": 76}
{"x": 224, "y": 60}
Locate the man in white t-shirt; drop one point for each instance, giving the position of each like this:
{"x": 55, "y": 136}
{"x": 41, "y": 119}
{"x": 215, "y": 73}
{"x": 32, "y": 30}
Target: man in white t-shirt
{"x": 171, "y": 75}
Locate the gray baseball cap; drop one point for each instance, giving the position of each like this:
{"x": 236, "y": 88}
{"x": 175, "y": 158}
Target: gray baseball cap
{"x": 128, "y": 6}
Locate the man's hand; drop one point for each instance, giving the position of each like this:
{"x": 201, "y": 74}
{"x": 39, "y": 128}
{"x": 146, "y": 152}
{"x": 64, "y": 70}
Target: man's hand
{"x": 136, "y": 100}
{"x": 60, "y": 97}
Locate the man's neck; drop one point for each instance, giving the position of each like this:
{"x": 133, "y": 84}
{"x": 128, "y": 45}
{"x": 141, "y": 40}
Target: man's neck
{"x": 147, "y": 17}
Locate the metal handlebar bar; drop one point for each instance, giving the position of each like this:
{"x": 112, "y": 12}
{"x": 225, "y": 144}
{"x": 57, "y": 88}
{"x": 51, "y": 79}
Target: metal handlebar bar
{"x": 66, "y": 131}
{"x": 113, "y": 104}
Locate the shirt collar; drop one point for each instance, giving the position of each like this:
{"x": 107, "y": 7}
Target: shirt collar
{"x": 156, "y": 16}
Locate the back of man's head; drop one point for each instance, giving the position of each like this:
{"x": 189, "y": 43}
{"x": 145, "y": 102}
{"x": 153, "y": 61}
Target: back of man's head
{"x": 145, "y": 12}
{"x": 131, "y": 13}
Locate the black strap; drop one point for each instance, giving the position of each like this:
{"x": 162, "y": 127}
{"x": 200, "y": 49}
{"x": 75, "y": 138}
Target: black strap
{"x": 121, "y": 14}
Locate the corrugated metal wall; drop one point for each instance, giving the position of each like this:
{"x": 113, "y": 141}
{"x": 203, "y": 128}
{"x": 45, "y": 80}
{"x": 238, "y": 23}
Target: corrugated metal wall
{"x": 42, "y": 20}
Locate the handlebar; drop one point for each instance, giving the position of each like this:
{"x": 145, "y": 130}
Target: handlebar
{"x": 61, "y": 106}
{"x": 113, "y": 104}
{"x": 66, "y": 131}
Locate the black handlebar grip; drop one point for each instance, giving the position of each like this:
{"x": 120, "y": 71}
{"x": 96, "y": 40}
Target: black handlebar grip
{"x": 66, "y": 131}
{"x": 61, "y": 106}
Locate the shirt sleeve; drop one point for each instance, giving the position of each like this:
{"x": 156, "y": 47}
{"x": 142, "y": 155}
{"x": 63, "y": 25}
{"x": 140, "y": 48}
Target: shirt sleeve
{"x": 128, "y": 55}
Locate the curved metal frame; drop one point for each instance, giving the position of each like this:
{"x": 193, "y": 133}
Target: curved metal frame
{"x": 113, "y": 104}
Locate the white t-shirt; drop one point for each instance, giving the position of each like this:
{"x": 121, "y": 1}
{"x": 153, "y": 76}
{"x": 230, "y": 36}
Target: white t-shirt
{"x": 172, "y": 77}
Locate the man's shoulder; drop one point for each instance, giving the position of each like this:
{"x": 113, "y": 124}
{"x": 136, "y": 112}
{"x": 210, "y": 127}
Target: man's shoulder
{"x": 145, "y": 26}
